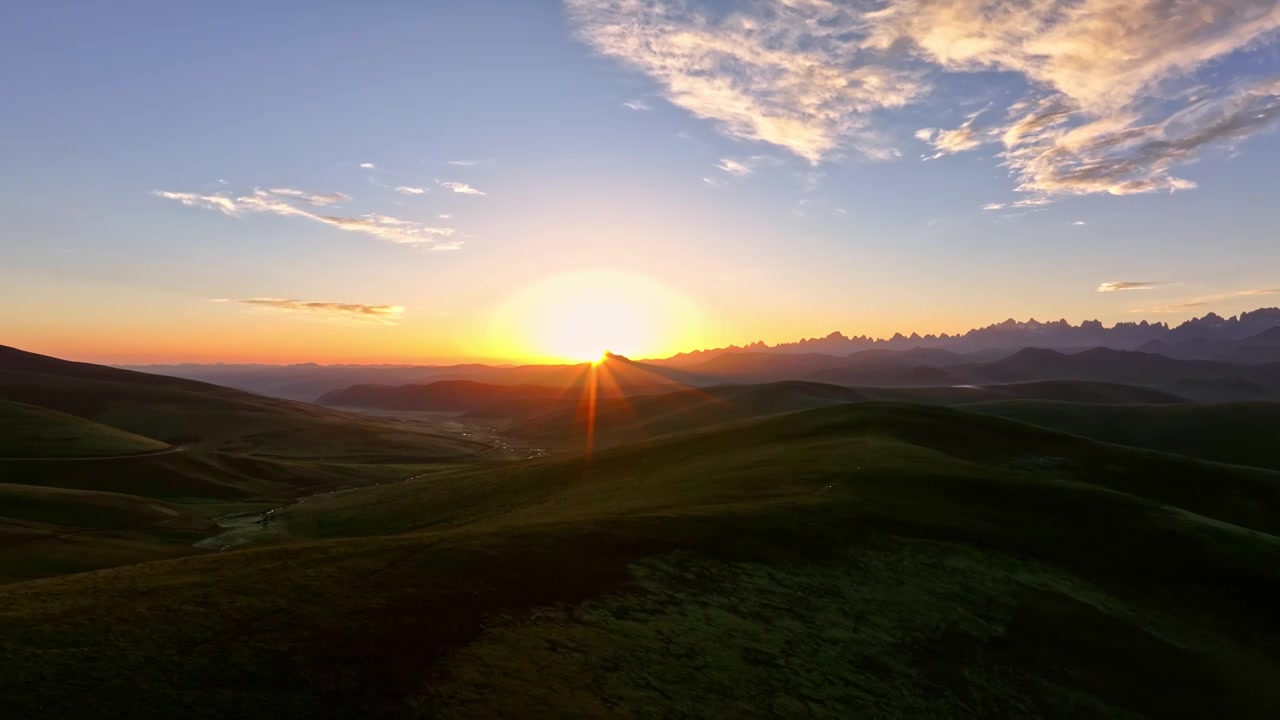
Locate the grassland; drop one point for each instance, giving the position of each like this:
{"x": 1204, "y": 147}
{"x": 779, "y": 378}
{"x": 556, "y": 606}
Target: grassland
{"x": 1244, "y": 433}
{"x": 35, "y": 432}
{"x": 630, "y": 419}
{"x": 213, "y": 418}
{"x": 852, "y": 561}
{"x": 85, "y": 443}
{"x": 54, "y": 531}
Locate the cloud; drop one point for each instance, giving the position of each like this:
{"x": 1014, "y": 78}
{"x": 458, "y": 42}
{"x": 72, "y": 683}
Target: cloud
{"x": 1112, "y": 96}
{"x": 790, "y": 74}
{"x": 994, "y": 206}
{"x": 270, "y": 202}
{"x": 407, "y": 190}
{"x": 1115, "y": 286}
{"x": 1102, "y": 54}
{"x": 380, "y": 314}
{"x": 310, "y": 199}
{"x": 1079, "y": 223}
{"x": 736, "y": 168}
{"x": 1208, "y": 299}
{"x": 1128, "y": 154}
{"x": 949, "y": 142}
{"x": 1031, "y": 202}
{"x": 639, "y": 105}
{"x": 210, "y": 202}
{"x": 461, "y": 188}
{"x": 1105, "y": 114}
{"x": 1176, "y": 307}
{"x": 368, "y": 166}
{"x": 466, "y": 163}
{"x": 444, "y": 216}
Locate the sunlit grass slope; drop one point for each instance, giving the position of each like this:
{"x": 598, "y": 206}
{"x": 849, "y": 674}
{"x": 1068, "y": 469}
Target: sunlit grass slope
{"x": 856, "y": 561}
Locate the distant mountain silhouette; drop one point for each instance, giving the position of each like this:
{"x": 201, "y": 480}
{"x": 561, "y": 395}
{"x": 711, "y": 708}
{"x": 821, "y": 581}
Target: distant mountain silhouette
{"x": 1016, "y": 352}
{"x": 1057, "y": 334}
{"x": 1253, "y": 350}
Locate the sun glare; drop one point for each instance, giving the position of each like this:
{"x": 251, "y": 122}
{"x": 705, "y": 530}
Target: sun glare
{"x": 581, "y": 316}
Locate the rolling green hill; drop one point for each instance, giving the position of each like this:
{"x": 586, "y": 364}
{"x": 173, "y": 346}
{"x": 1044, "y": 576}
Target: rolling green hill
{"x": 859, "y": 560}
{"x": 32, "y": 432}
{"x": 640, "y": 417}
{"x": 620, "y": 420}
{"x": 190, "y": 413}
{"x": 53, "y": 531}
{"x": 1244, "y": 433}
{"x": 85, "y": 442}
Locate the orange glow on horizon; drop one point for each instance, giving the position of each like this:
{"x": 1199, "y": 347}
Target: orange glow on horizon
{"x": 579, "y": 317}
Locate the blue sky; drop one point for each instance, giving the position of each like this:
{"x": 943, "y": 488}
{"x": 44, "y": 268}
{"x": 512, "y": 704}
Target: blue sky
{"x": 759, "y": 167}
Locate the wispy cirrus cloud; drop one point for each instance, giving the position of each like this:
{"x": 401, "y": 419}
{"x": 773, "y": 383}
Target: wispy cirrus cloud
{"x": 1119, "y": 286}
{"x": 460, "y": 187}
{"x": 368, "y": 166}
{"x": 1111, "y": 98}
{"x": 1174, "y": 307}
{"x": 638, "y": 105}
{"x": 790, "y": 74}
{"x": 410, "y": 190}
{"x": 736, "y": 168}
{"x": 468, "y": 163}
{"x": 309, "y": 198}
{"x": 948, "y": 142}
{"x": 1106, "y": 113}
{"x": 1208, "y": 300}
{"x": 379, "y": 314}
{"x": 383, "y": 227}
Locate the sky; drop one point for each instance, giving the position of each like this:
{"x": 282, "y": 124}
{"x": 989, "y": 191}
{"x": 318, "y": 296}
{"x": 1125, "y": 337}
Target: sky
{"x": 535, "y": 180}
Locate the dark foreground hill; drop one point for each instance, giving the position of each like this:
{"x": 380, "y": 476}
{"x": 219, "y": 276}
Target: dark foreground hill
{"x": 1241, "y": 433}
{"x": 852, "y": 561}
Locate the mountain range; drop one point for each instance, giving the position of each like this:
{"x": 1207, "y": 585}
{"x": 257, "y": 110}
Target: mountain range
{"x": 1251, "y": 338}
{"x": 1056, "y": 334}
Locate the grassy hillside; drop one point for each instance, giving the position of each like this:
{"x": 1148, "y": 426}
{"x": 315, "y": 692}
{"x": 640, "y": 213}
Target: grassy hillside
{"x": 1242, "y": 433}
{"x": 620, "y": 420}
{"x": 32, "y": 432}
{"x": 444, "y": 395}
{"x": 54, "y": 531}
{"x": 86, "y": 442}
{"x": 186, "y": 412}
{"x": 851, "y": 561}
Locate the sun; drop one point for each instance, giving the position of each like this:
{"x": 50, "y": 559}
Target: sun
{"x": 580, "y": 317}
